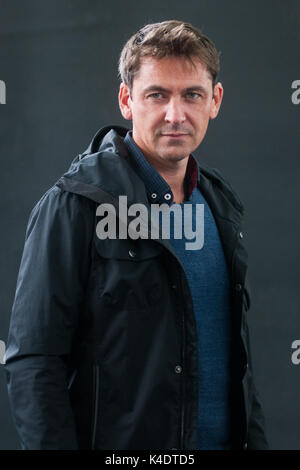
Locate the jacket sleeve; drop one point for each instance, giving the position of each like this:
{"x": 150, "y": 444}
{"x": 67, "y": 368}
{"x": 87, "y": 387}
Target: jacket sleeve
{"x": 257, "y": 439}
{"x": 49, "y": 296}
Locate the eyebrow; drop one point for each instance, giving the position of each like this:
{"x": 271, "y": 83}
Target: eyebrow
{"x": 165, "y": 90}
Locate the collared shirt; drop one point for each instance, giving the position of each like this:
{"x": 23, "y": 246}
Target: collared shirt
{"x": 158, "y": 190}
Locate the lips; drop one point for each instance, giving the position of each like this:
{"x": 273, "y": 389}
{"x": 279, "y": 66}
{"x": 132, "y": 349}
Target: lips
{"x": 174, "y": 135}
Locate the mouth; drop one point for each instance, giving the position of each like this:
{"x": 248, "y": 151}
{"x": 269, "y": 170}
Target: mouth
{"x": 175, "y": 136}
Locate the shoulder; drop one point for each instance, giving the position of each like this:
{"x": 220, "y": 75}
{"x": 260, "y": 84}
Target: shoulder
{"x": 62, "y": 210}
{"x": 59, "y": 199}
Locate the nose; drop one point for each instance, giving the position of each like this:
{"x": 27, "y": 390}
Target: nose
{"x": 175, "y": 111}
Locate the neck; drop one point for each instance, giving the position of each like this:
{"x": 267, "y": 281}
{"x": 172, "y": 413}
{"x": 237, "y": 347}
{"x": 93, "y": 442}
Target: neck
{"x": 173, "y": 175}
{"x": 172, "y": 171}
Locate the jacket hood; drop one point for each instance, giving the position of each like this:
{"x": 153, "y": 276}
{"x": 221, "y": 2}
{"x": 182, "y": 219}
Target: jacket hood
{"x": 105, "y": 166}
{"x": 104, "y": 170}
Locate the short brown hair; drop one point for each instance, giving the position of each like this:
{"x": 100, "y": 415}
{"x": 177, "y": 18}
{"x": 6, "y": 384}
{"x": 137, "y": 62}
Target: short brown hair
{"x": 168, "y": 38}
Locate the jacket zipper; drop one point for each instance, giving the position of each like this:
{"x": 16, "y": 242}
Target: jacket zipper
{"x": 181, "y": 445}
{"x": 183, "y": 393}
{"x": 183, "y": 368}
{"x": 95, "y": 402}
{"x": 244, "y": 401}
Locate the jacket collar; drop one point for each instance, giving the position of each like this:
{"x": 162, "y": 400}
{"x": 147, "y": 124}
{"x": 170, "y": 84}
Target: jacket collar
{"x": 107, "y": 166}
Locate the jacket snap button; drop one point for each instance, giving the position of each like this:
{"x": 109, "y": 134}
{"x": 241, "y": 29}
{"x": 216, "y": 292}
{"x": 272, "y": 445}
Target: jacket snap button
{"x": 238, "y": 287}
{"x": 178, "y": 369}
{"x": 241, "y": 234}
{"x": 245, "y": 446}
{"x": 132, "y": 253}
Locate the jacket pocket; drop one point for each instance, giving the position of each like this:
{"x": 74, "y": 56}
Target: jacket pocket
{"x": 95, "y": 403}
{"x": 129, "y": 275}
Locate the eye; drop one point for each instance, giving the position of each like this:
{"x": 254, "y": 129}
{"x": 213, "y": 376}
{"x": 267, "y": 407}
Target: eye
{"x": 155, "y": 95}
{"x": 193, "y": 95}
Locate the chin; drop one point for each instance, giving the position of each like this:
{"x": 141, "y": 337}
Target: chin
{"x": 177, "y": 150}
{"x": 175, "y": 156}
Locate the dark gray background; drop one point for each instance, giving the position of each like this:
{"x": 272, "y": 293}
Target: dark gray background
{"x": 59, "y": 61}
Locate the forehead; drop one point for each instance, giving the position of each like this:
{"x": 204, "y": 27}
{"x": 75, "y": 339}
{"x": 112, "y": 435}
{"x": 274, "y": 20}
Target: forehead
{"x": 172, "y": 70}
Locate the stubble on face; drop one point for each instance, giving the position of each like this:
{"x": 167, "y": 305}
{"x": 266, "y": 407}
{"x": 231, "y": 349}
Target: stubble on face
{"x": 153, "y": 125}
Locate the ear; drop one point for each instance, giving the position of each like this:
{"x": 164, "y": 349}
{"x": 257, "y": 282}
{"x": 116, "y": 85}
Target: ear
{"x": 216, "y": 100}
{"x": 125, "y": 101}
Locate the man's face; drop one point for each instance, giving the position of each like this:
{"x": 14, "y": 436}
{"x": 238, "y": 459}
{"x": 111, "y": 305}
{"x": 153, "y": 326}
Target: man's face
{"x": 170, "y": 107}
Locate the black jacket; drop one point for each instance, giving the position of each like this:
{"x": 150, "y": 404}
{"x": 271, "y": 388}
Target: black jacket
{"x": 99, "y": 326}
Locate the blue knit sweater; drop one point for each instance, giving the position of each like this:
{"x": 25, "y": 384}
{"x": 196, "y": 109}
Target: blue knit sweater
{"x": 207, "y": 276}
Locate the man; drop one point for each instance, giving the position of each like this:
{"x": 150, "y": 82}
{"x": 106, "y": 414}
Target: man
{"x": 137, "y": 342}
